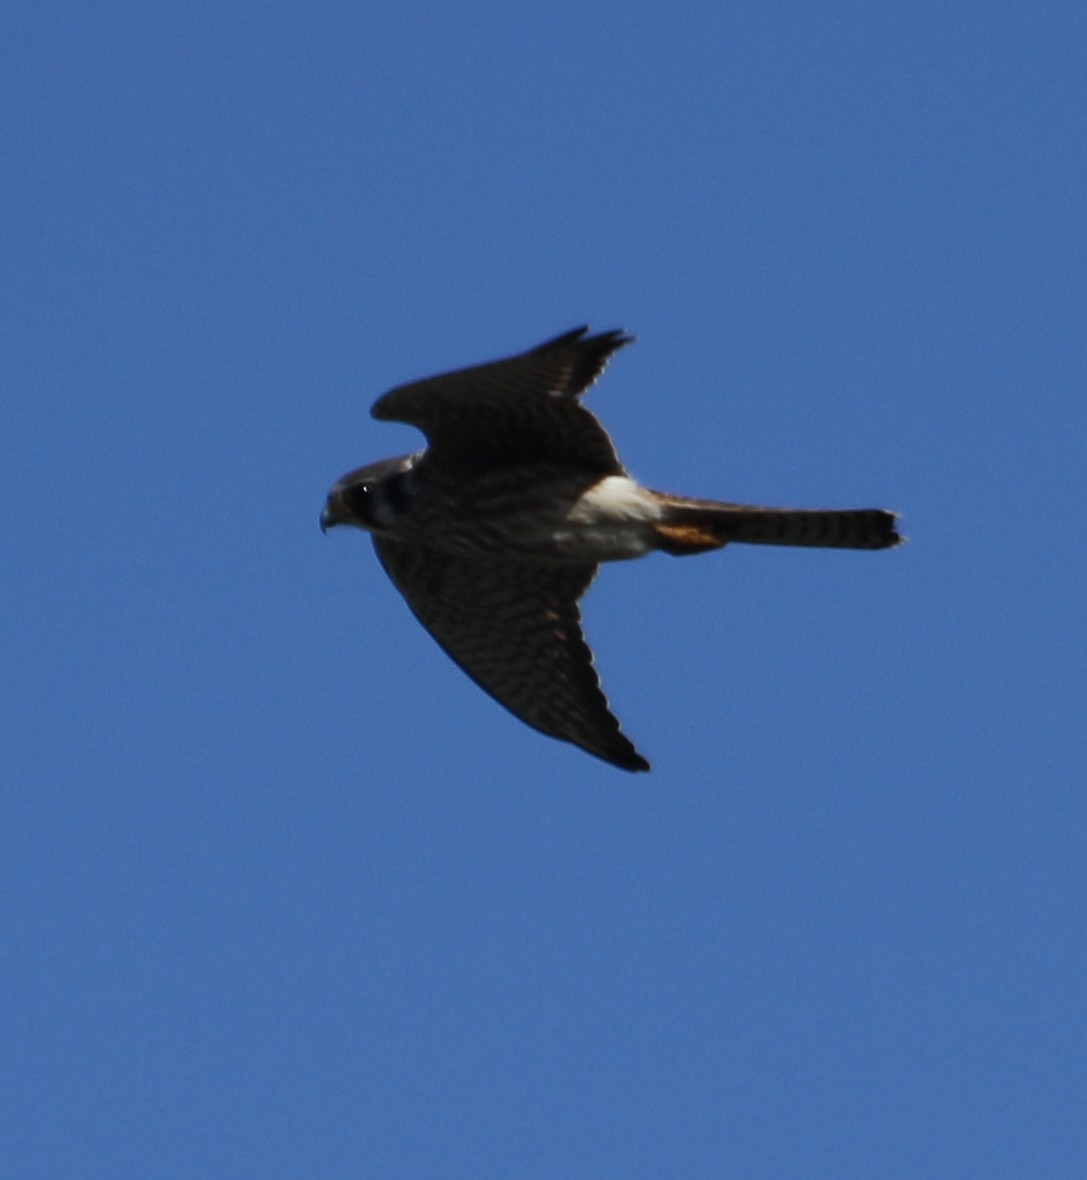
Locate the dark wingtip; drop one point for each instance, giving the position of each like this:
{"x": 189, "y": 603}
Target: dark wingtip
{"x": 585, "y": 356}
{"x": 606, "y": 342}
{"x": 624, "y": 756}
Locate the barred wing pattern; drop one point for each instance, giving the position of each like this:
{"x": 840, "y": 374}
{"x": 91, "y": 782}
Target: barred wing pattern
{"x": 521, "y": 409}
{"x": 515, "y": 629}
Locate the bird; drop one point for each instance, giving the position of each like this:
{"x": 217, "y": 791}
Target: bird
{"x": 496, "y": 529}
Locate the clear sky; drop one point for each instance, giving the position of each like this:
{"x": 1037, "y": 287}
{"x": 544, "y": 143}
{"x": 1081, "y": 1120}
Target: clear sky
{"x": 283, "y": 893}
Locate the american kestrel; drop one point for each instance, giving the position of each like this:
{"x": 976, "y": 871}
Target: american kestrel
{"x": 495, "y": 530}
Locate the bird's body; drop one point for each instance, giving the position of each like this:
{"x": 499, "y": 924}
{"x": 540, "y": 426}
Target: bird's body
{"x": 539, "y": 514}
{"x": 496, "y": 529}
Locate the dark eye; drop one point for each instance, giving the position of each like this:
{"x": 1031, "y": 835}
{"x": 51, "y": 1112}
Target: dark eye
{"x": 358, "y": 498}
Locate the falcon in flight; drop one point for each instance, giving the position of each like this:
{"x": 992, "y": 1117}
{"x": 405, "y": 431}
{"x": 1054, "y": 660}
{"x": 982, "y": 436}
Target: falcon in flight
{"x": 493, "y": 532}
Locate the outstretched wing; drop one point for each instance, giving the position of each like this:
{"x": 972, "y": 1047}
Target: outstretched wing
{"x": 521, "y": 409}
{"x": 515, "y": 629}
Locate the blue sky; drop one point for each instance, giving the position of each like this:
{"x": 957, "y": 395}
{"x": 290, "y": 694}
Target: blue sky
{"x": 283, "y": 893}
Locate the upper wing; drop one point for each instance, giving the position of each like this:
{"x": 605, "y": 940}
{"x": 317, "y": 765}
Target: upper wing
{"x": 515, "y": 629}
{"x": 523, "y": 408}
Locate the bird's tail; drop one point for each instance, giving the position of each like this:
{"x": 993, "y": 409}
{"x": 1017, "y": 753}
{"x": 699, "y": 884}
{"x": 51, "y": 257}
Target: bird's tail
{"x": 693, "y": 526}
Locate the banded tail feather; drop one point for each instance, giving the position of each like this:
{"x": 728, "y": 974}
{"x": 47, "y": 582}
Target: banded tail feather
{"x": 693, "y": 526}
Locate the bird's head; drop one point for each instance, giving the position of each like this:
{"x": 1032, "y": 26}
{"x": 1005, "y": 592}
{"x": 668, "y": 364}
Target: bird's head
{"x": 370, "y": 497}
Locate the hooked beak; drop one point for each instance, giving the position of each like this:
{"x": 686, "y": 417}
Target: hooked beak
{"x": 329, "y": 519}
